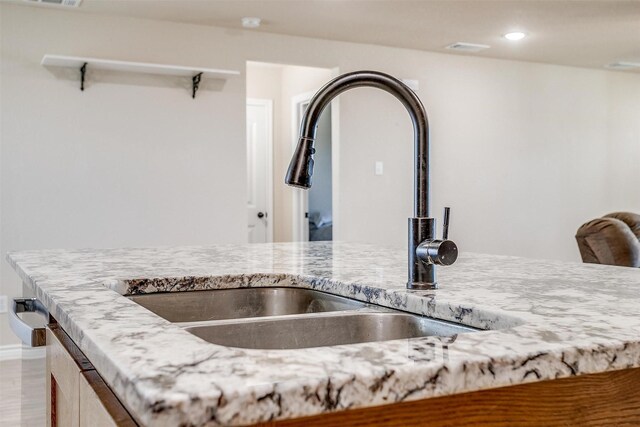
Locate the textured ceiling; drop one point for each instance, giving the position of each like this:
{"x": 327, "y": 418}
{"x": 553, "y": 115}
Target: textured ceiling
{"x": 578, "y": 33}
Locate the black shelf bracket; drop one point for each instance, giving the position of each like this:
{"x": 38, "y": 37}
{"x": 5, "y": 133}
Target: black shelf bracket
{"x": 196, "y": 83}
{"x": 83, "y": 71}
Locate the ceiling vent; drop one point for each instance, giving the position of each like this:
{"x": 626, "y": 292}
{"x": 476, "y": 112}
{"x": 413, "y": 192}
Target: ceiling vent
{"x": 622, "y": 66}
{"x": 467, "y": 47}
{"x": 65, "y": 3}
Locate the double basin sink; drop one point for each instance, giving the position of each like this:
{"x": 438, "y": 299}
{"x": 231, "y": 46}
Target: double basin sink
{"x": 288, "y": 318}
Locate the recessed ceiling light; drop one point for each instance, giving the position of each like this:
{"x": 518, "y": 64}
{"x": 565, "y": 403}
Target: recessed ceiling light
{"x": 250, "y": 22}
{"x": 515, "y": 36}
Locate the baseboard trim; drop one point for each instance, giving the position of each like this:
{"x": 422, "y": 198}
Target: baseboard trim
{"x": 18, "y": 351}
{"x": 10, "y": 352}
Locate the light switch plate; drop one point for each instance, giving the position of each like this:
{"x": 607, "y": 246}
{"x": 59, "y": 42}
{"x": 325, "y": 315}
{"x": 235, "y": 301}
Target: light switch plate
{"x": 3, "y": 304}
{"x": 379, "y": 170}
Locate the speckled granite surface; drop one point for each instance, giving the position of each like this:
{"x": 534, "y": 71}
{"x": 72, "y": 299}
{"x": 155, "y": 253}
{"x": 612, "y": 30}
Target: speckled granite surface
{"x": 549, "y": 320}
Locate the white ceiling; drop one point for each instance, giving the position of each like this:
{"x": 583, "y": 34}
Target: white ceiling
{"x": 576, "y": 32}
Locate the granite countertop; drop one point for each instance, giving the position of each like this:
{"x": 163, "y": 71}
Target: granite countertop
{"x": 545, "y": 320}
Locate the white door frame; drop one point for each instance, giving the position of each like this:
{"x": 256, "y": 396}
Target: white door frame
{"x": 268, "y": 108}
{"x": 300, "y": 201}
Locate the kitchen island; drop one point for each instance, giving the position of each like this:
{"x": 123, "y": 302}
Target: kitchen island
{"x": 540, "y": 320}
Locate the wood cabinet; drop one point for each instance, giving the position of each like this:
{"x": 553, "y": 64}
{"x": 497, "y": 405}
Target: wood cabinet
{"x": 93, "y": 411}
{"x": 63, "y": 379}
{"x": 77, "y": 396}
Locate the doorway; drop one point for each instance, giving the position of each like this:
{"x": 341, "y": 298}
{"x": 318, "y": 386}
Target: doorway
{"x": 289, "y": 89}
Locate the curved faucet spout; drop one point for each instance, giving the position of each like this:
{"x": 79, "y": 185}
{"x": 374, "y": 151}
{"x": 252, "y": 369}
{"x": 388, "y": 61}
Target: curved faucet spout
{"x": 301, "y": 166}
{"x": 425, "y": 251}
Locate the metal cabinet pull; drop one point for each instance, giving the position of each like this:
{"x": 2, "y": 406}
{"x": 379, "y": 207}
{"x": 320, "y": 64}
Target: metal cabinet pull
{"x": 33, "y": 337}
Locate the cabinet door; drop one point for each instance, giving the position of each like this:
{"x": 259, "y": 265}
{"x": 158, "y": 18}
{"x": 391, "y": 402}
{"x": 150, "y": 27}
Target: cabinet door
{"x": 63, "y": 375}
{"x": 99, "y": 407}
{"x": 92, "y": 411}
{"x": 78, "y": 397}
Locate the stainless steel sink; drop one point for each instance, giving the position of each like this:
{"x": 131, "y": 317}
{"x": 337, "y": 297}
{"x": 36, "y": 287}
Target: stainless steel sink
{"x": 195, "y": 306}
{"x": 287, "y": 318}
{"x": 324, "y": 330}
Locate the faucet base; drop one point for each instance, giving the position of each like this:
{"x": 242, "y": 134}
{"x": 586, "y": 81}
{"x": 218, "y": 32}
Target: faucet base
{"x": 422, "y": 286}
{"x": 422, "y": 275}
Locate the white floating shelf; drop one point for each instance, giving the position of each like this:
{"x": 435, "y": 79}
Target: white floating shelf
{"x": 136, "y": 67}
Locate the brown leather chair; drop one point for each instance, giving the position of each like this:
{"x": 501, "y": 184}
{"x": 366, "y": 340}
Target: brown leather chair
{"x": 613, "y": 239}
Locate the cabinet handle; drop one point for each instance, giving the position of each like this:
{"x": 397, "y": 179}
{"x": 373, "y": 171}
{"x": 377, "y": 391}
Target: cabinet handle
{"x": 33, "y": 337}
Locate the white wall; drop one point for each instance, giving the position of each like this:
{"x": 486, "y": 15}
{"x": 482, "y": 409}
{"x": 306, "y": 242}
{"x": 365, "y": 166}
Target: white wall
{"x": 524, "y": 153}
{"x": 623, "y": 139}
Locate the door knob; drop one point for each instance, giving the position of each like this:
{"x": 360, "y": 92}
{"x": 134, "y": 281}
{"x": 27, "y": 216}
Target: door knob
{"x": 262, "y": 215}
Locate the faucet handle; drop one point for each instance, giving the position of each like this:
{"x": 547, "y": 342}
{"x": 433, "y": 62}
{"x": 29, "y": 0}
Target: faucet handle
{"x": 445, "y": 223}
{"x": 440, "y": 252}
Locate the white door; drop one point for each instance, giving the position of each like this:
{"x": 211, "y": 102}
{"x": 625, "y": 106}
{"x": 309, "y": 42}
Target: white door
{"x": 259, "y": 171}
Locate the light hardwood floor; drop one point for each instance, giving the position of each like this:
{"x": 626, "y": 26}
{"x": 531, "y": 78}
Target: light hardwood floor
{"x": 22, "y": 398}
{"x": 10, "y": 392}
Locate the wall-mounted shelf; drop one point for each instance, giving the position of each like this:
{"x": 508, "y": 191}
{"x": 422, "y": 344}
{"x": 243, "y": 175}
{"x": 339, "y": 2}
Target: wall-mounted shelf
{"x": 82, "y": 63}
